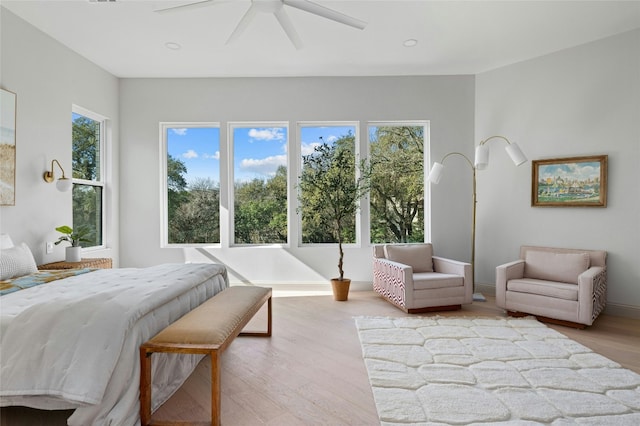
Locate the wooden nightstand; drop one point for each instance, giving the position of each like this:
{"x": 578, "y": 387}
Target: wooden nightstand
{"x": 100, "y": 263}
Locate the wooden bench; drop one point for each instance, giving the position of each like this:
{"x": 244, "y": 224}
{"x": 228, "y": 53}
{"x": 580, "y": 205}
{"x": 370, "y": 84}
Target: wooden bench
{"x": 208, "y": 329}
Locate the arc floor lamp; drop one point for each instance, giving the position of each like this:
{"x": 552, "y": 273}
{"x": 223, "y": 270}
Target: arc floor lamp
{"x": 481, "y": 163}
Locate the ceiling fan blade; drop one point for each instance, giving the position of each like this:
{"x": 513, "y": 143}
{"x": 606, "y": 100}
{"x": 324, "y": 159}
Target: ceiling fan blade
{"x": 189, "y": 6}
{"x": 243, "y": 24}
{"x": 288, "y": 28}
{"x": 325, "y": 12}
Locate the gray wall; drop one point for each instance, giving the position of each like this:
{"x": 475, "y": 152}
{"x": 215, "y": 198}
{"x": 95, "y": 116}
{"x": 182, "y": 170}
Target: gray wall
{"x": 447, "y": 102}
{"x": 48, "y": 79}
{"x": 581, "y": 101}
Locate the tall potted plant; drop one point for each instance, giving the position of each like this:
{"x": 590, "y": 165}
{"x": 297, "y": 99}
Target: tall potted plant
{"x": 331, "y": 187}
{"x": 72, "y": 253}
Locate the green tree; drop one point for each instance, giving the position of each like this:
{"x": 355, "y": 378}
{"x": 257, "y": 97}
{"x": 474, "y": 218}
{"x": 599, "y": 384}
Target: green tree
{"x": 197, "y": 216}
{"x": 330, "y": 191}
{"x": 86, "y": 148}
{"x": 176, "y": 187}
{"x": 260, "y": 206}
{"x": 87, "y": 199}
{"x": 397, "y": 184}
{"x": 318, "y": 224}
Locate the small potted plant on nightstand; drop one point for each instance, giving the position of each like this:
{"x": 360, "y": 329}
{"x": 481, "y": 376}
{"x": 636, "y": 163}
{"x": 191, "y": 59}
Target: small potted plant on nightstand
{"x": 72, "y": 253}
{"x": 330, "y": 187}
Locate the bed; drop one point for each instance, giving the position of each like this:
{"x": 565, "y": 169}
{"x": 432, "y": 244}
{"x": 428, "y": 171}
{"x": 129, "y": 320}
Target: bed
{"x": 71, "y": 342}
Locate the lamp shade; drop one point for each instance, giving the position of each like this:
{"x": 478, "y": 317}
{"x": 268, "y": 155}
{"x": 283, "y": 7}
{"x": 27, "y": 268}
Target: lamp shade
{"x": 64, "y": 184}
{"x": 516, "y": 154}
{"x": 482, "y": 157}
{"x": 436, "y": 173}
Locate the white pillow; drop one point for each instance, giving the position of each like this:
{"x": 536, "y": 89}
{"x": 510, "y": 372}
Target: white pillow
{"x": 418, "y": 256}
{"x": 5, "y": 241}
{"x": 16, "y": 262}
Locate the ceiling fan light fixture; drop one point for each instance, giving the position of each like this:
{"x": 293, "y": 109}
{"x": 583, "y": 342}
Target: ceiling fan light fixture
{"x": 275, "y": 7}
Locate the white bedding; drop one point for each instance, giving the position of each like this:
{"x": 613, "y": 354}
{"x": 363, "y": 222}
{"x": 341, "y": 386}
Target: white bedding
{"x": 73, "y": 343}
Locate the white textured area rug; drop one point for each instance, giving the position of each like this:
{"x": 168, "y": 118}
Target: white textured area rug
{"x": 506, "y": 371}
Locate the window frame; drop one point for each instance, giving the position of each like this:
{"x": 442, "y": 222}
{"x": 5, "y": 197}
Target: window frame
{"x": 164, "y": 126}
{"x": 102, "y": 182}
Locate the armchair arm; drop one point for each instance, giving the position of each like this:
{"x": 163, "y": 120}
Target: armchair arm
{"x": 390, "y": 279}
{"x": 455, "y": 267}
{"x": 592, "y": 294}
{"x": 504, "y": 273}
{"x": 449, "y": 266}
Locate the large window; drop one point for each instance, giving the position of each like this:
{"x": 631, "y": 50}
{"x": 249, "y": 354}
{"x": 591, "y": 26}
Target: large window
{"x": 238, "y": 191}
{"x": 260, "y": 183}
{"x": 317, "y": 225}
{"x": 192, "y": 172}
{"x": 397, "y": 154}
{"x": 88, "y": 136}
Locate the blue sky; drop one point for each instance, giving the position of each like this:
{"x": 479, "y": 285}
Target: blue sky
{"x": 198, "y": 148}
{"x": 258, "y": 151}
{"x": 573, "y": 171}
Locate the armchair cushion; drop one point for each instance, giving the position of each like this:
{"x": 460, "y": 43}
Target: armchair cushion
{"x": 552, "y": 266}
{"x": 418, "y": 256}
{"x": 434, "y": 280}
{"x": 553, "y": 289}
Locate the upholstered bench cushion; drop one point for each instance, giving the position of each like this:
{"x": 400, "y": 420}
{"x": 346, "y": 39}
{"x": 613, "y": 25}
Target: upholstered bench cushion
{"x": 212, "y": 322}
{"x": 550, "y": 266}
{"x": 433, "y": 280}
{"x": 418, "y": 256}
{"x": 553, "y": 289}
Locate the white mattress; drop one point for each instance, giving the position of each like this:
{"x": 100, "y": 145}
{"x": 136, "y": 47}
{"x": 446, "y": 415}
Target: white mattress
{"x": 73, "y": 343}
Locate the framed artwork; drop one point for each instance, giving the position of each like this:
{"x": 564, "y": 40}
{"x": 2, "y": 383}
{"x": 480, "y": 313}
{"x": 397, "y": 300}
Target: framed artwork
{"x": 569, "y": 182}
{"x": 7, "y": 148}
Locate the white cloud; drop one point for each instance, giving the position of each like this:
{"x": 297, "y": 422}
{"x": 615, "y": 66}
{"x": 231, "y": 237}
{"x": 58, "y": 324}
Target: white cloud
{"x": 307, "y": 148}
{"x": 190, "y": 154}
{"x": 264, "y": 166}
{"x": 179, "y": 132}
{"x": 269, "y": 134}
{"x": 571, "y": 171}
{"x": 215, "y": 156}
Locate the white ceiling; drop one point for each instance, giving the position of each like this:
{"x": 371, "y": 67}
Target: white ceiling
{"x": 127, "y": 38}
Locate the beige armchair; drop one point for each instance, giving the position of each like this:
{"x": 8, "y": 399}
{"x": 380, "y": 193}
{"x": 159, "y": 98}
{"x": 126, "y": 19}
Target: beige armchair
{"x": 565, "y": 286}
{"x": 410, "y": 277}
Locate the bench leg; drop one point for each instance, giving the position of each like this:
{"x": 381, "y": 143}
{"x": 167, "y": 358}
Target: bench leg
{"x": 269, "y": 317}
{"x": 145, "y": 387}
{"x": 269, "y": 325}
{"x": 215, "y": 388}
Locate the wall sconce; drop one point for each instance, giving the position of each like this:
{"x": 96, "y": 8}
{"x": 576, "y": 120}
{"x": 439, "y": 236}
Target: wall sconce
{"x": 481, "y": 162}
{"x": 63, "y": 184}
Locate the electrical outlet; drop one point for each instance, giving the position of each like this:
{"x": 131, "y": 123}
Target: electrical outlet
{"x": 49, "y": 247}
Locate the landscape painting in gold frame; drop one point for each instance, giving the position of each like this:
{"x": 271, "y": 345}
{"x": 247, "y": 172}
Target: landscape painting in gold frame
{"x": 569, "y": 182}
{"x": 7, "y": 148}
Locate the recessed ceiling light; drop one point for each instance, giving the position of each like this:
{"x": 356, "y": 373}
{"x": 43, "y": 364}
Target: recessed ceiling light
{"x": 410, "y": 42}
{"x": 173, "y": 46}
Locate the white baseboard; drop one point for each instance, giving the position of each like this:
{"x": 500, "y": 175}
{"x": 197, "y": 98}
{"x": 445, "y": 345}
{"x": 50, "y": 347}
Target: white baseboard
{"x": 307, "y": 289}
{"x": 486, "y": 289}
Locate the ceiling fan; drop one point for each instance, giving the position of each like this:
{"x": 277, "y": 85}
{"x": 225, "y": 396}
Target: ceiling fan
{"x": 276, "y": 7}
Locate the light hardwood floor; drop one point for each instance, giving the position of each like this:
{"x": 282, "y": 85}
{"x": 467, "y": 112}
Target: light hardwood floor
{"x": 310, "y": 372}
